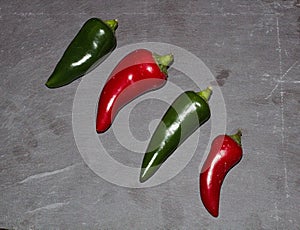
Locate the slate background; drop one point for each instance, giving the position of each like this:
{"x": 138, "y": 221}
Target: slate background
{"x": 251, "y": 47}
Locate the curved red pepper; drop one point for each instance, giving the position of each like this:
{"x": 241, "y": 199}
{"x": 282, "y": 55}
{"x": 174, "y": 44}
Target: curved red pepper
{"x": 225, "y": 152}
{"x": 138, "y": 72}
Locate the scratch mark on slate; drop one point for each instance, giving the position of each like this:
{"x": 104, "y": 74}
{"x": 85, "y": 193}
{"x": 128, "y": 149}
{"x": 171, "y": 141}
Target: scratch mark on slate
{"x": 48, "y": 207}
{"x": 276, "y": 213}
{"x": 285, "y": 180}
{"x": 289, "y": 69}
{"x": 45, "y": 174}
{"x": 282, "y": 106}
{"x": 291, "y": 82}
{"x": 281, "y": 80}
{"x": 279, "y": 45}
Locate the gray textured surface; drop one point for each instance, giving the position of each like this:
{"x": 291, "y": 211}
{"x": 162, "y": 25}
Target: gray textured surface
{"x": 252, "y": 47}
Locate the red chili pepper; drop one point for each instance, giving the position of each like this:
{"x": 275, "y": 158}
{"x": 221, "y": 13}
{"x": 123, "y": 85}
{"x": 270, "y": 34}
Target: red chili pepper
{"x": 138, "y": 72}
{"x": 225, "y": 152}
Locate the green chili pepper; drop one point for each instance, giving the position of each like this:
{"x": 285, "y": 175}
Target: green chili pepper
{"x": 95, "y": 40}
{"x": 186, "y": 114}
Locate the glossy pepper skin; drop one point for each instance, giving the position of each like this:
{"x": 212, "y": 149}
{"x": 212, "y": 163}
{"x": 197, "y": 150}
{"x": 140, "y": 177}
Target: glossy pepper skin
{"x": 138, "y": 72}
{"x": 92, "y": 44}
{"x": 225, "y": 152}
{"x": 185, "y": 115}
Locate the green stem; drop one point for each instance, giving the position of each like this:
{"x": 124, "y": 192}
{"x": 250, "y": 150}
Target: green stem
{"x": 237, "y": 137}
{"x": 164, "y": 61}
{"x": 205, "y": 94}
{"x": 113, "y": 24}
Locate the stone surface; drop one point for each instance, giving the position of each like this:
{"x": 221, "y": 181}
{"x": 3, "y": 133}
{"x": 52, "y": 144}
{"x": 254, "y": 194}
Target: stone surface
{"x": 251, "y": 47}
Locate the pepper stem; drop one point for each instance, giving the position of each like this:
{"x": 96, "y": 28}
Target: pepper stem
{"x": 113, "y": 24}
{"x": 205, "y": 94}
{"x": 237, "y": 137}
{"x": 163, "y": 61}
